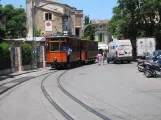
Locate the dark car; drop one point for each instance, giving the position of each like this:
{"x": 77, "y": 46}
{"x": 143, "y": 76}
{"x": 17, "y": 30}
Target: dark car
{"x": 157, "y": 53}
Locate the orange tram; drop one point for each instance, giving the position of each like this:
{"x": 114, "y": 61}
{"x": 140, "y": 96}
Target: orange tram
{"x": 83, "y": 51}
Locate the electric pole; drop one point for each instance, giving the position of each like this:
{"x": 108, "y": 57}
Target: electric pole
{"x": 34, "y": 56}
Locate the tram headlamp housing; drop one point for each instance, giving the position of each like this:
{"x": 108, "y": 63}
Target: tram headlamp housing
{"x": 55, "y": 59}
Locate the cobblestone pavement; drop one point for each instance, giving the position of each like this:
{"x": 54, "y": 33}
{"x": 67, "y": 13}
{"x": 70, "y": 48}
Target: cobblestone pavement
{"x": 27, "y": 102}
{"x": 118, "y": 91}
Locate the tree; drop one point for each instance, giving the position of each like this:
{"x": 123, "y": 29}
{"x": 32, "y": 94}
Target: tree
{"x": 38, "y": 33}
{"x": 13, "y": 22}
{"x": 2, "y": 26}
{"x": 136, "y": 18}
{"x": 89, "y": 32}
{"x": 86, "y": 20}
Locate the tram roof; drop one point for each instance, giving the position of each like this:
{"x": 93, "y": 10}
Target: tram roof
{"x": 62, "y": 36}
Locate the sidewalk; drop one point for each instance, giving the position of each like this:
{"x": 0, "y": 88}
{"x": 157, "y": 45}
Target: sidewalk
{"x": 14, "y": 75}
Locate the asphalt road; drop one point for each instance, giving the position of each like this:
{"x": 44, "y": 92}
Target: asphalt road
{"x": 118, "y": 91}
{"x": 27, "y": 102}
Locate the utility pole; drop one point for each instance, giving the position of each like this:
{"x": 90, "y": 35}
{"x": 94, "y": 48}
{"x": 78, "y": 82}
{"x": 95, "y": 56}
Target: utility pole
{"x": 34, "y": 56}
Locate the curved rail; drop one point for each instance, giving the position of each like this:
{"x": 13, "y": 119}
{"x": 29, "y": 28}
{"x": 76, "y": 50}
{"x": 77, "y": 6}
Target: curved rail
{"x": 18, "y": 82}
{"x": 65, "y": 114}
{"x": 80, "y": 102}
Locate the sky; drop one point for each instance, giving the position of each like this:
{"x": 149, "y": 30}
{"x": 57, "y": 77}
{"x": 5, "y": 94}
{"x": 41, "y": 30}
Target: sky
{"x": 96, "y": 9}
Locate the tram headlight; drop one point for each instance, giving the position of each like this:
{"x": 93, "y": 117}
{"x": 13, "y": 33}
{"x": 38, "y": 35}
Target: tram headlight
{"x": 55, "y": 59}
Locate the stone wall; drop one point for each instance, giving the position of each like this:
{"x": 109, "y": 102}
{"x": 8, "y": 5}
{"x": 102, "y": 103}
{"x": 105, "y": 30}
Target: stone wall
{"x": 17, "y": 61}
{"x": 40, "y": 22}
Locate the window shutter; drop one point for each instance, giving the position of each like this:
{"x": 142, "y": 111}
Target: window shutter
{"x": 103, "y": 37}
{"x": 98, "y": 37}
{"x": 52, "y": 15}
{"x": 44, "y": 15}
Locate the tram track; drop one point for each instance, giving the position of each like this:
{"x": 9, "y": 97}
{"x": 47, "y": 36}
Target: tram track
{"x": 63, "y": 112}
{"x": 80, "y": 102}
{"x": 46, "y": 94}
{"x": 17, "y": 82}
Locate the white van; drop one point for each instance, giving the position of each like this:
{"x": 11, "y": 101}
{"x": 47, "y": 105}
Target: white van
{"x": 120, "y": 50}
{"x": 145, "y": 45}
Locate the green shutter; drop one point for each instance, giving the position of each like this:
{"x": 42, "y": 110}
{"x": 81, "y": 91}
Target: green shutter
{"x": 98, "y": 37}
{"x": 103, "y": 38}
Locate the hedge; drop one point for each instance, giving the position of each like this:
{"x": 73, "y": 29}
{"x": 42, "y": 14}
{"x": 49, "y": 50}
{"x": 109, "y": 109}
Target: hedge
{"x": 5, "y": 61}
{"x": 26, "y": 54}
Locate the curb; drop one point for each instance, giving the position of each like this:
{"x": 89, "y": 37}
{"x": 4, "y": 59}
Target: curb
{"x": 12, "y": 76}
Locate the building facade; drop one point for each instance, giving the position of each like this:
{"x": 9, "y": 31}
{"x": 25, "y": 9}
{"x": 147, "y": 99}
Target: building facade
{"x": 50, "y": 17}
{"x": 101, "y": 34}
{"x": 77, "y": 22}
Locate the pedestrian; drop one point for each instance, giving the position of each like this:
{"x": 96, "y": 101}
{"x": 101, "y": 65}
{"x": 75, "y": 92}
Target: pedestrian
{"x": 104, "y": 56}
{"x": 69, "y": 51}
{"x": 99, "y": 57}
{"x": 63, "y": 46}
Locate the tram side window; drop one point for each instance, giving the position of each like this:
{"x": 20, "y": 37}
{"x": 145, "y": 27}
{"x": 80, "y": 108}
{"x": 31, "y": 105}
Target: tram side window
{"x": 54, "y": 46}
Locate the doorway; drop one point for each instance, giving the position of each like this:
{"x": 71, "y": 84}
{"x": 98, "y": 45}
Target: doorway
{"x": 77, "y": 32}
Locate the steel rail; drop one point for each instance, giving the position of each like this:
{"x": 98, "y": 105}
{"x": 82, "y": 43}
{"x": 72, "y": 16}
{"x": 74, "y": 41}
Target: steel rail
{"x": 80, "y": 102}
{"x": 65, "y": 114}
{"x": 18, "y": 83}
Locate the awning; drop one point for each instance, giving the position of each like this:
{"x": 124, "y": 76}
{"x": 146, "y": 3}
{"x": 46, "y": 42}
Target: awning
{"x": 103, "y": 46}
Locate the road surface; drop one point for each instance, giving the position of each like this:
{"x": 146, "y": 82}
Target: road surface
{"x": 117, "y": 91}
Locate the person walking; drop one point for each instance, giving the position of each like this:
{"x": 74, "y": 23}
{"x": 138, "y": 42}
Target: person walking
{"x": 99, "y": 57}
{"x": 104, "y": 56}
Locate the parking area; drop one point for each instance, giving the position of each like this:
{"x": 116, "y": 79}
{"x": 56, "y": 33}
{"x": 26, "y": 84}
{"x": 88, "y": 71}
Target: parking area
{"x": 119, "y": 91}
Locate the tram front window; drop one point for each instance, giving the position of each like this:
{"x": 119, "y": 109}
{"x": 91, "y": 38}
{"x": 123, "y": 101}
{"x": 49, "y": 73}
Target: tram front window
{"x": 63, "y": 46}
{"x": 55, "y": 46}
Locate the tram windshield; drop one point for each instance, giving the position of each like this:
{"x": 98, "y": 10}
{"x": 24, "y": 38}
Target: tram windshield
{"x": 54, "y": 46}
{"x": 58, "y": 44}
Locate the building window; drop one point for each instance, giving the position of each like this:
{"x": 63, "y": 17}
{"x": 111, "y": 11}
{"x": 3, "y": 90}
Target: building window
{"x": 100, "y": 37}
{"x": 48, "y": 16}
{"x": 101, "y": 26}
